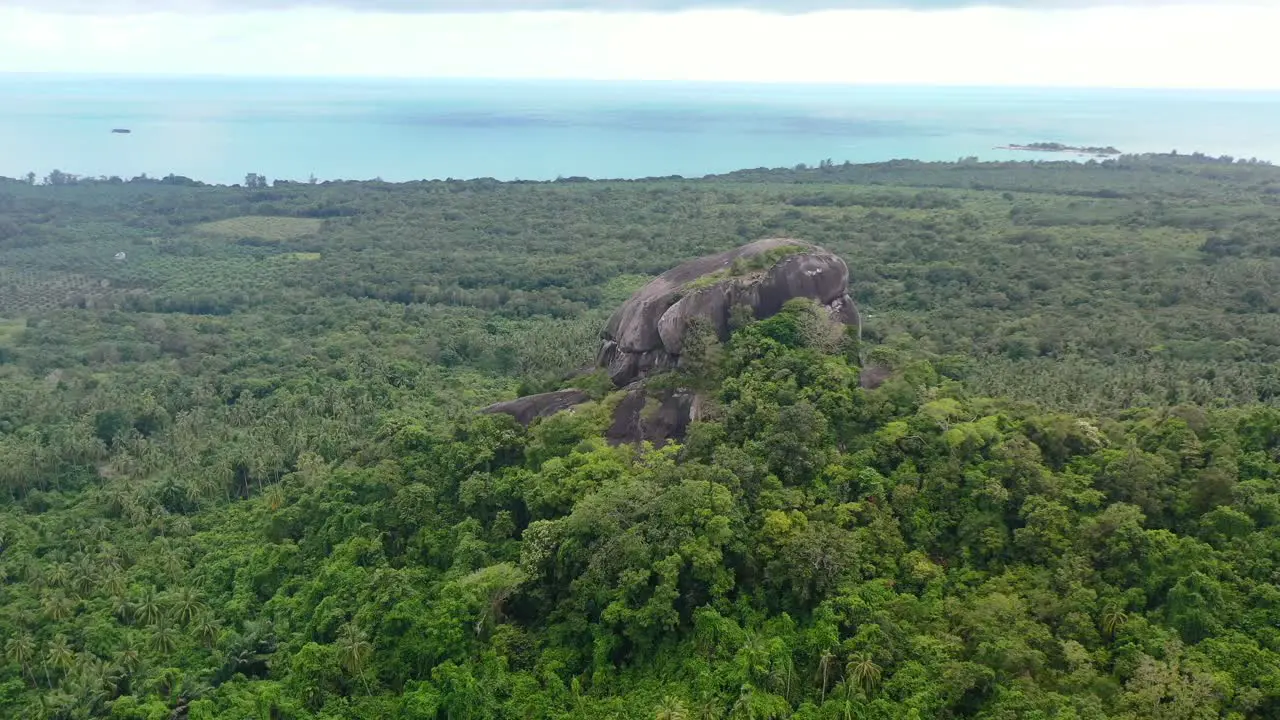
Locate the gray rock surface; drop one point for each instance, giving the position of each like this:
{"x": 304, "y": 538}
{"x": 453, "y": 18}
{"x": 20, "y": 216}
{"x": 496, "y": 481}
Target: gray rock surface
{"x": 658, "y": 416}
{"x": 655, "y": 416}
{"x": 873, "y": 376}
{"x": 531, "y": 407}
{"x": 646, "y": 334}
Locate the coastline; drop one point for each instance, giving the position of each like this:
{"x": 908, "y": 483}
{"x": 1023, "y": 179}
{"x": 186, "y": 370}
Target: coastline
{"x": 512, "y": 131}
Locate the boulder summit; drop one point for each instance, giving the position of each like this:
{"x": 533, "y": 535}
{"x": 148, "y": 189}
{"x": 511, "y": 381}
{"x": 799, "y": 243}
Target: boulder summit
{"x": 647, "y": 334}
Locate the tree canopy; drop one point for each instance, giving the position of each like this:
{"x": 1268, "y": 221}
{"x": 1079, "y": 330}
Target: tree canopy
{"x": 243, "y": 477}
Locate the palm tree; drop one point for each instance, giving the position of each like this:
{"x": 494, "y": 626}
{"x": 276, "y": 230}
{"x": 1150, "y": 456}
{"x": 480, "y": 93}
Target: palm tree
{"x": 579, "y": 698}
{"x": 121, "y": 607}
{"x": 114, "y": 675}
{"x": 671, "y": 708}
{"x": 55, "y": 704}
{"x": 783, "y": 675}
{"x": 35, "y": 574}
{"x": 208, "y": 630}
{"x": 850, "y": 705}
{"x": 114, "y": 584}
{"x": 116, "y": 497}
{"x": 165, "y": 639}
{"x": 186, "y": 605}
{"x": 148, "y": 610}
{"x": 744, "y": 707}
{"x": 142, "y": 510}
{"x": 85, "y": 572}
{"x": 179, "y": 525}
{"x": 58, "y": 575}
{"x": 206, "y": 485}
{"x": 193, "y": 688}
{"x": 708, "y": 709}
{"x": 166, "y": 681}
{"x": 863, "y": 671}
{"x": 91, "y": 685}
{"x": 59, "y": 656}
{"x": 825, "y": 663}
{"x": 1114, "y": 619}
{"x": 129, "y": 658}
{"x": 21, "y": 649}
{"x": 57, "y": 606}
{"x": 110, "y": 557}
{"x": 173, "y": 564}
{"x": 354, "y": 650}
{"x": 753, "y": 657}
{"x": 275, "y": 497}
{"x": 99, "y": 531}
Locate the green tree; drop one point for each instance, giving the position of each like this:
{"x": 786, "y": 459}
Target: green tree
{"x": 863, "y": 671}
{"x": 826, "y": 663}
{"x": 58, "y": 607}
{"x": 58, "y": 656}
{"x": 148, "y": 609}
{"x": 164, "y": 638}
{"x": 186, "y": 606}
{"x": 21, "y": 649}
{"x": 1114, "y": 618}
{"x": 671, "y": 708}
{"x": 354, "y": 651}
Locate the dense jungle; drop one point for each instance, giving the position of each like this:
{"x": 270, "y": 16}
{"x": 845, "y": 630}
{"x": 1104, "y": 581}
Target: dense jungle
{"x": 242, "y": 474}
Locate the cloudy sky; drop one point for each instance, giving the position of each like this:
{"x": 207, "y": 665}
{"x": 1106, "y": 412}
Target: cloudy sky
{"x": 1120, "y": 43}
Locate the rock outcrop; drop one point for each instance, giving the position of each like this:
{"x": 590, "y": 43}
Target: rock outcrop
{"x": 531, "y": 407}
{"x": 647, "y": 333}
{"x": 655, "y": 416}
{"x": 640, "y": 414}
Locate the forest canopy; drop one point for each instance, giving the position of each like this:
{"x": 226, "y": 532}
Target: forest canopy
{"x": 242, "y": 475}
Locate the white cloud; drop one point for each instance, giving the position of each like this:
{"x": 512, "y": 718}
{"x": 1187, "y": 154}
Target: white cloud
{"x": 1176, "y": 46}
{"x": 484, "y": 6}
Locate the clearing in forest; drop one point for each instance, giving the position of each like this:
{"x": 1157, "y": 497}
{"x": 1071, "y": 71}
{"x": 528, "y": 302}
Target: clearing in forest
{"x": 275, "y": 229}
{"x": 23, "y": 292}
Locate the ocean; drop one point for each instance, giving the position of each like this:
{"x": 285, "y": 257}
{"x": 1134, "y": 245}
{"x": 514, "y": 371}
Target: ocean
{"x": 218, "y": 130}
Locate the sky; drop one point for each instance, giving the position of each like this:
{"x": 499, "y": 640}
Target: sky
{"x": 1107, "y": 43}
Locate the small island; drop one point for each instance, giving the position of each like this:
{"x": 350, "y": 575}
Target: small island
{"x": 1061, "y": 148}
{"x": 121, "y": 131}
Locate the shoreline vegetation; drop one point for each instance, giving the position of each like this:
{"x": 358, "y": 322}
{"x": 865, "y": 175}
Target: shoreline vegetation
{"x": 821, "y": 172}
{"x": 1061, "y": 148}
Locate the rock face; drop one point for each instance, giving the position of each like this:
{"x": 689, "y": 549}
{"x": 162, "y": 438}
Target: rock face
{"x": 531, "y": 407}
{"x": 646, "y": 334}
{"x": 873, "y": 376}
{"x": 656, "y": 417}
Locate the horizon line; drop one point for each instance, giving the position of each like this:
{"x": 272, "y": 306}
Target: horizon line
{"x": 148, "y": 178}
{"x": 160, "y": 76}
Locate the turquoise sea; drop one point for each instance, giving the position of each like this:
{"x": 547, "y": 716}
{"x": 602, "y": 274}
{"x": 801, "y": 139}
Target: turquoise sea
{"x": 217, "y": 130}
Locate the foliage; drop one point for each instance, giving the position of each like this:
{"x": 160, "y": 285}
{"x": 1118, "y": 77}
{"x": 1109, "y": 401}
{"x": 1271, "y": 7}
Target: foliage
{"x": 745, "y": 266}
{"x": 237, "y": 485}
{"x": 277, "y": 229}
